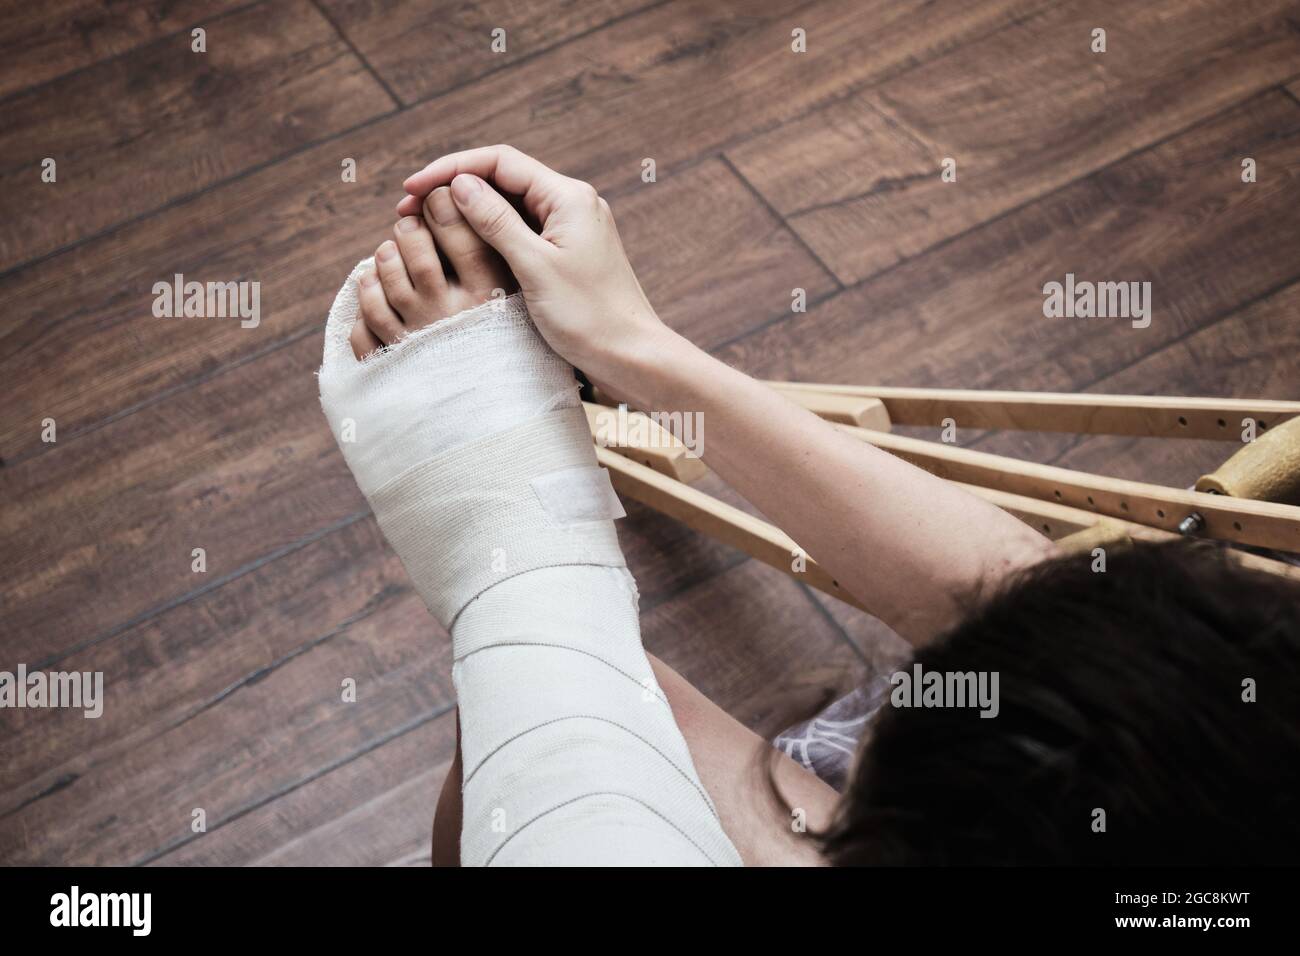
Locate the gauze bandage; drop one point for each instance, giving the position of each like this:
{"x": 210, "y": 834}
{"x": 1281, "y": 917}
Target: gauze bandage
{"x": 469, "y": 441}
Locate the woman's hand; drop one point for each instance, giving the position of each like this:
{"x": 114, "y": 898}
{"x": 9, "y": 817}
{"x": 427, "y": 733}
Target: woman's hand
{"x": 580, "y": 288}
{"x": 912, "y": 547}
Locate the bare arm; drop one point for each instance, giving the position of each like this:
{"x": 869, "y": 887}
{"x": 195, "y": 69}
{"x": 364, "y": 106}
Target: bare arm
{"x": 901, "y": 540}
{"x": 907, "y": 544}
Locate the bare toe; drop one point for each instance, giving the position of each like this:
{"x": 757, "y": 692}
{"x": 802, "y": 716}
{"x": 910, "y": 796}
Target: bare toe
{"x": 362, "y": 340}
{"x": 420, "y": 256}
{"x": 479, "y": 269}
{"x": 376, "y": 312}
{"x": 398, "y": 288}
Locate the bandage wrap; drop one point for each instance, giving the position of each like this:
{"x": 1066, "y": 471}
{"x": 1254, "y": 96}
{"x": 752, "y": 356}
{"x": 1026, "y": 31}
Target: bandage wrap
{"x": 469, "y": 440}
{"x": 471, "y": 445}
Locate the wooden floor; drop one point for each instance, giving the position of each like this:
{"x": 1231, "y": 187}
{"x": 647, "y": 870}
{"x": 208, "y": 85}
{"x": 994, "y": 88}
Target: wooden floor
{"x": 776, "y": 170}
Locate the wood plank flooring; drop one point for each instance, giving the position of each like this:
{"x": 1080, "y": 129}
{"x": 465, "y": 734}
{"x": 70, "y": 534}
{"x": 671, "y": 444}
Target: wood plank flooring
{"x": 776, "y": 170}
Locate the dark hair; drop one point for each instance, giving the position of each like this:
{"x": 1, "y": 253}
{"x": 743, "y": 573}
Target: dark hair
{"x": 1122, "y": 691}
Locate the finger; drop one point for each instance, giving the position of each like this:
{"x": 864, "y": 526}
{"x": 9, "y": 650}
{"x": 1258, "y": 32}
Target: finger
{"x": 497, "y": 223}
{"x": 375, "y": 310}
{"x": 477, "y": 265}
{"x": 420, "y": 256}
{"x": 363, "y": 341}
{"x": 506, "y": 167}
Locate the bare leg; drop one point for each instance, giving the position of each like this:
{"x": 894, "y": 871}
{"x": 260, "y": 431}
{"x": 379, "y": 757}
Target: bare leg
{"x": 733, "y": 764}
{"x": 446, "y": 818}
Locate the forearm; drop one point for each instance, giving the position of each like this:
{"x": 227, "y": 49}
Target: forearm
{"x": 908, "y": 544}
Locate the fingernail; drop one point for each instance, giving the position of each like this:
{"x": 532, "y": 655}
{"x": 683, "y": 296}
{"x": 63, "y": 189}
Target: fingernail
{"x": 386, "y": 251}
{"x": 408, "y": 224}
{"x": 406, "y": 183}
{"x": 465, "y": 186}
{"x": 443, "y": 207}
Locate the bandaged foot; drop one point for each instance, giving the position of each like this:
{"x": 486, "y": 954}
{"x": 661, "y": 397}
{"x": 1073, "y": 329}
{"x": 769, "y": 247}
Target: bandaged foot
{"x": 467, "y": 437}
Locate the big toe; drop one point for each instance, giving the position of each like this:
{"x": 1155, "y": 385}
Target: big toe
{"x": 479, "y": 269}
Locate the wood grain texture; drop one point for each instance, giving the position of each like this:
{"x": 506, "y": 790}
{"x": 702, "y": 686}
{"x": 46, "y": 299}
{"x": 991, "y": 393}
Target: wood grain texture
{"x": 1153, "y": 416}
{"x": 223, "y": 688}
{"x": 881, "y": 648}
{"x": 377, "y": 809}
{"x": 1245, "y": 351}
{"x": 706, "y": 250}
{"x": 639, "y": 437}
{"x": 47, "y": 40}
{"x": 682, "y": 80}
{"x": 715, "y": 262}
{"x": 710, "y": 516}
{"x": 1249, "y": 349}
{"x": 662, "y": 83}
{"x": 970, "y": 314}
{"x": 788, "y": 661}
{"x": 269, "y": 737}
{"x": 119, "y": 512}
{"x": 397, "y": 38}
{"x": 197, "y": 655}
{"x": 164, "y": 122}
{"x": 243, "y": 465}
{"x": 183, "y": 682}
{"x": 1241, "y": 519}
{"x": 1051, "y": 111}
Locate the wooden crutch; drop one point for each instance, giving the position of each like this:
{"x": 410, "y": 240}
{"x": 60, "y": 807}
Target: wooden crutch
{"x": 1072, "y": 528}
{"x": 651, "y": 470}
{"x": 1251, "y": 499}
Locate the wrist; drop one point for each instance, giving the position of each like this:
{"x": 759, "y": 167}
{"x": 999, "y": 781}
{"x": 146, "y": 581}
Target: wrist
{"x": 646, "y": 365}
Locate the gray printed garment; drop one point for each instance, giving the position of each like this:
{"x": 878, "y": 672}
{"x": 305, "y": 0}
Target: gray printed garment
{"x": 828, "y": 744}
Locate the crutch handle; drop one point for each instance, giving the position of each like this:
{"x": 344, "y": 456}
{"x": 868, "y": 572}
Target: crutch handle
{"x": 1267, "y": 469}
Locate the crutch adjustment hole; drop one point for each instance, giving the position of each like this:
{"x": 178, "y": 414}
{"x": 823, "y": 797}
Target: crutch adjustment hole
{"x": 1182, "y": 420}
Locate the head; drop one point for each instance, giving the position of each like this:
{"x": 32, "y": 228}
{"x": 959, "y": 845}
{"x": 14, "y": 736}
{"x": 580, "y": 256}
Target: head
{"x": 1147, "y": 713}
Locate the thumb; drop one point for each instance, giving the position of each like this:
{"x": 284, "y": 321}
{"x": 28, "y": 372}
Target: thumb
{"x": 496, "y": 221}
